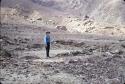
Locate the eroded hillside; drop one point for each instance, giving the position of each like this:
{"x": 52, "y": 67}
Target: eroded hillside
{"x": 98, "y": 16}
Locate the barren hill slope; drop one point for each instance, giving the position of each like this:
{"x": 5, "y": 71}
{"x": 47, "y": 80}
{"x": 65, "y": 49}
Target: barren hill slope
{"x": 77, "y": 15}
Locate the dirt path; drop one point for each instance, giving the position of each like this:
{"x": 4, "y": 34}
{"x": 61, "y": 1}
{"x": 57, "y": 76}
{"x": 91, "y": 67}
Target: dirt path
{"x": 42, "y": 53}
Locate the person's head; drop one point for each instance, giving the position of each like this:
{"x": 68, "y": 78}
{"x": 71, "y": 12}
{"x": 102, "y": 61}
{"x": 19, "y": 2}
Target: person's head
{"x": 47, "y": 33}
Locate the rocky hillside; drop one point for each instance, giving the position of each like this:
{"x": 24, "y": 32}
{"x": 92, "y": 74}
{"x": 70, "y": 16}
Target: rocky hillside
{"x": 77, "y": 15}
{"x": 100, "y": 10}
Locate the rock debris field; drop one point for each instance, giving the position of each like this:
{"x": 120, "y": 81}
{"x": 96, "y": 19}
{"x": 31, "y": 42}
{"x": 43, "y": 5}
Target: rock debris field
{"x": 75, "y": 58}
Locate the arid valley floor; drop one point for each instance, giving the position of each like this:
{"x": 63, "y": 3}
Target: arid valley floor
{"x": 75, "y": 58}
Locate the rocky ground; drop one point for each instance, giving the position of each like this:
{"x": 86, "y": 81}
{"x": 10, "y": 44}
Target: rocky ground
{"x": 75, "y": 58}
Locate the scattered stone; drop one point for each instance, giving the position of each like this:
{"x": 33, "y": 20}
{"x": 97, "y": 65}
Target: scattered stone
{"x": 93, "y": 66}
{"x": 56, "y": 71}
{"x": 63, "y": 54}
{"x": 108, "y": 59}
{"x": 62, "y": 28}
{"x": 117, "y": 56}
{"x": 59, "y": 82}
{"x": 72, "y": 61}
{"x": 47, "y": 65}
{"x": 108, "y": 27}
{"x": 123, "y": 45}
{"x": 71, "y": 43}
{"x": 39, "y": 19}
{"x": 30, "y": 57}
{"x": 34, "y": 46}
{"x": 122, "y": 40}
{"x": 75, "y": 53}
{"x": 5, "y": 53}
{"x": 37, "y": 46}
{"x": 119, "y": 52}
{"x": 113, "y": 81}
{"x": 90, "y": 60}
{"x": 1, "y": 40}
{"x": 86, "y": 52}
{"x": 6, "y": 40}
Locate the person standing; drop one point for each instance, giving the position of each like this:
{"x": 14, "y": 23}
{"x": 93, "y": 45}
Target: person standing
{"x": 47, "y": 41}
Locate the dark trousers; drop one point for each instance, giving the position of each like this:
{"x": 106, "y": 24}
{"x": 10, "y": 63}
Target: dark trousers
{"x": 47, "y": 49}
